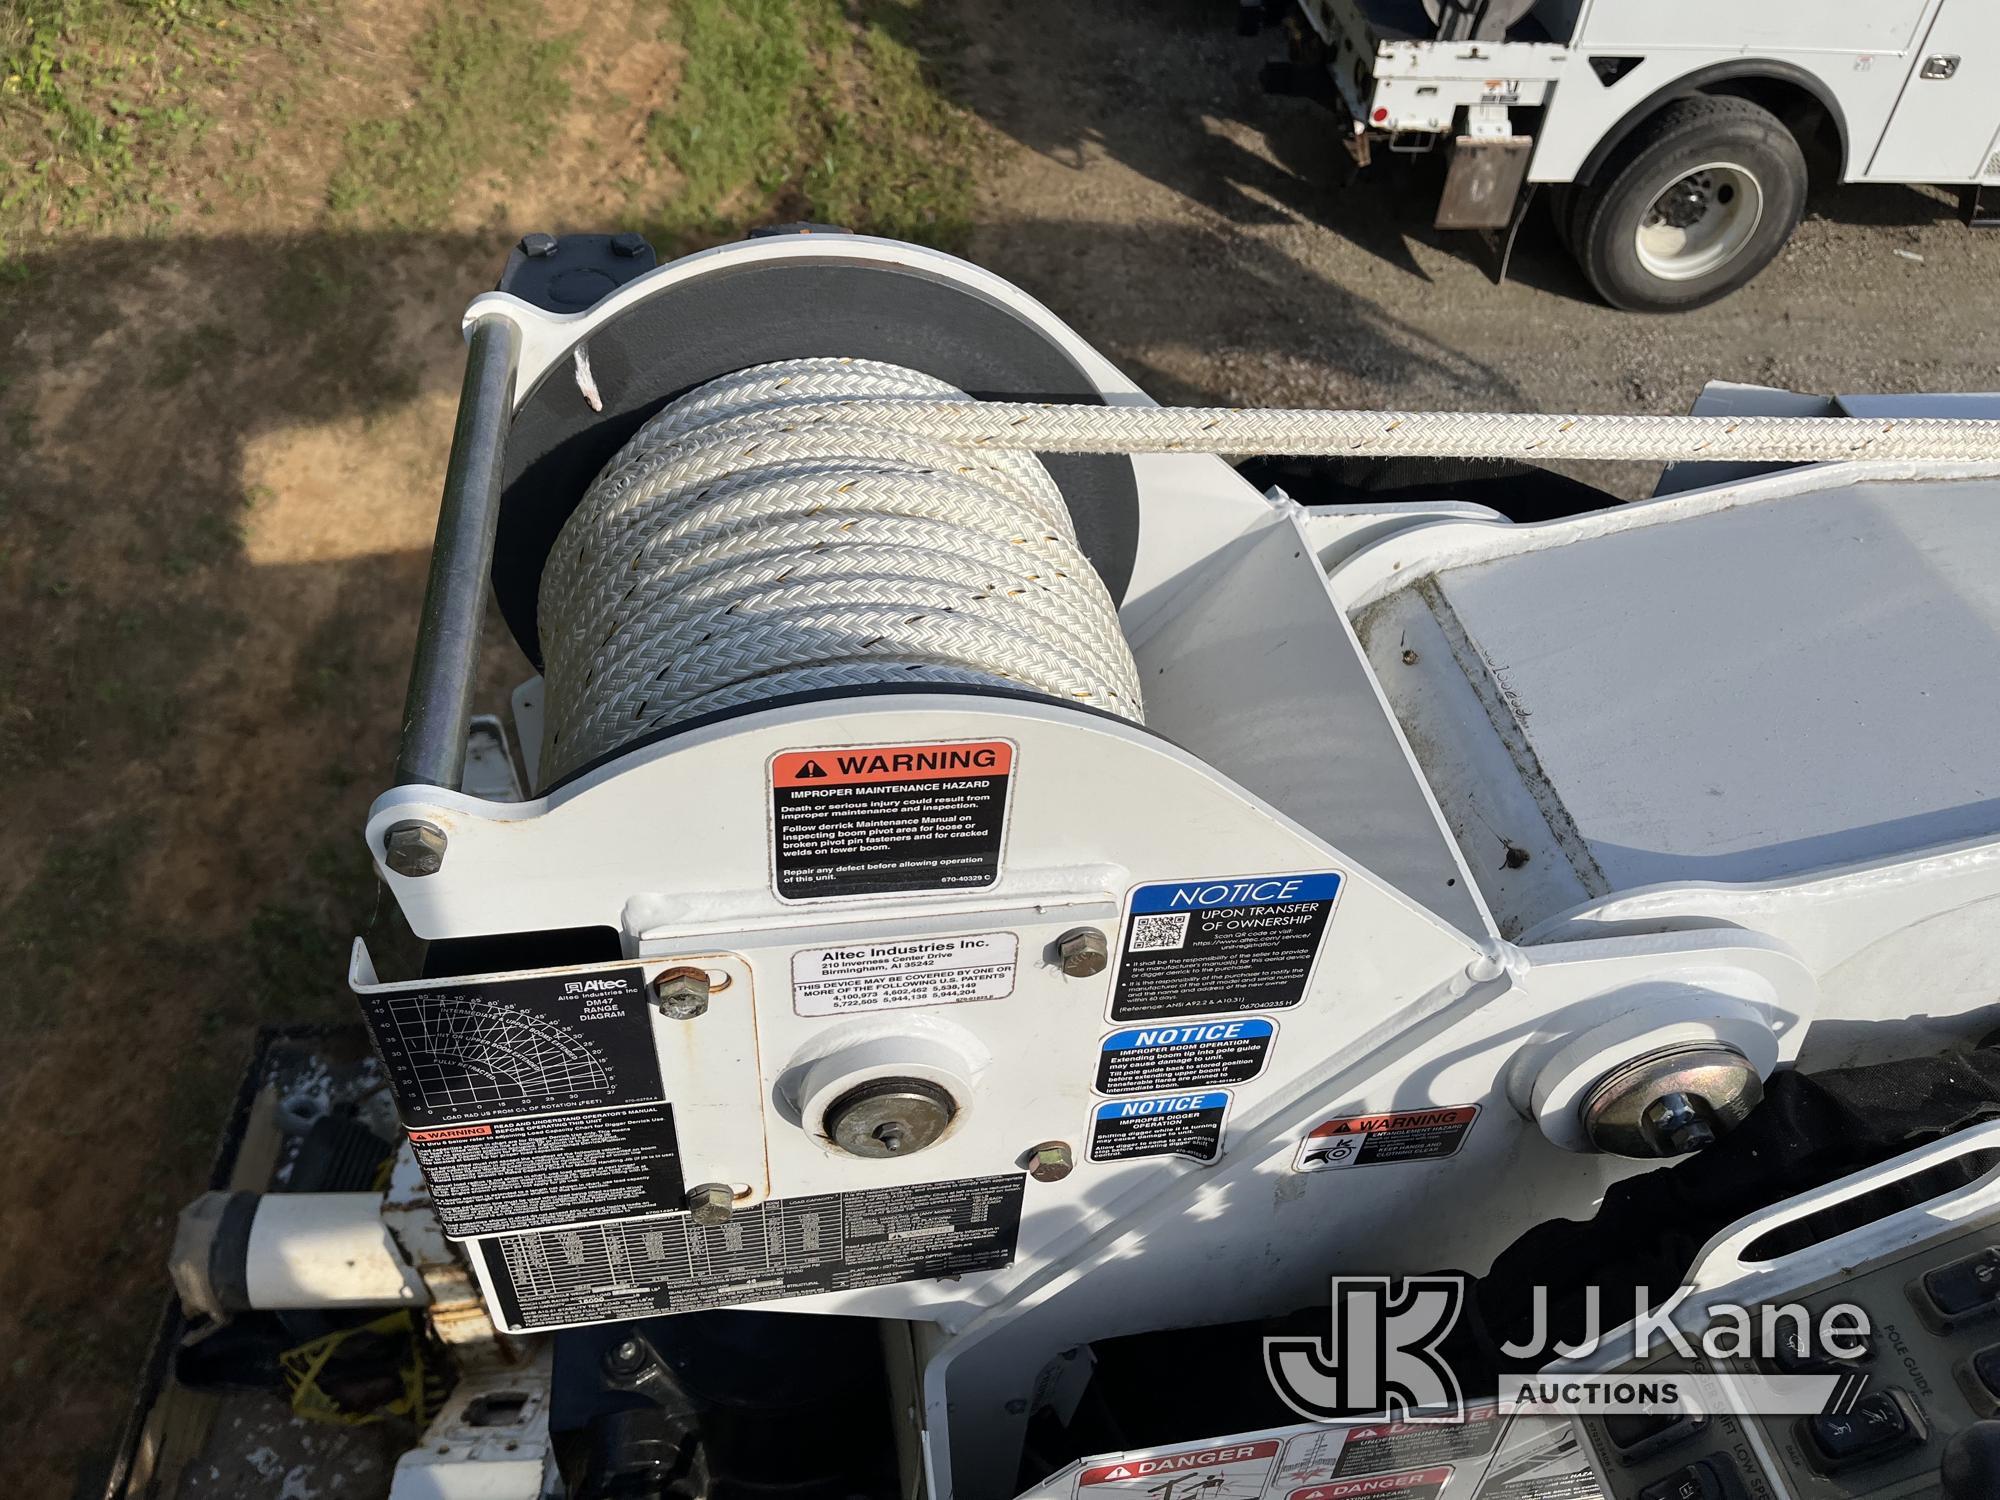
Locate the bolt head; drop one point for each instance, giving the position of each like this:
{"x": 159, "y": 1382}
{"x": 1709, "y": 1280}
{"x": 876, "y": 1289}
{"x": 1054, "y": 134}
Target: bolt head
{"x": 538, "y": 245}
{"x": 624, "y": 1357}
{"x": 711, "y": 1203}
{"x": 414, "y": 849}
{"x": 1051, "y": 1161}
{"x": 1083, "y": 952}
{"x": 682, "y": 994}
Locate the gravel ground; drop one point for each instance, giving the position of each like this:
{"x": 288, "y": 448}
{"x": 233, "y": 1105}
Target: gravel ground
{"x": 1214, "y": 241}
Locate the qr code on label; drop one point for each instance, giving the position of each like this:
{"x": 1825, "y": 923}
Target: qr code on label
{"x": 1150, "y": 934}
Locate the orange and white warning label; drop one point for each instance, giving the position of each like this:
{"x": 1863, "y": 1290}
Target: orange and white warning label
{"x": 1385, "y": 1139}
{"x": 867, "y": 820}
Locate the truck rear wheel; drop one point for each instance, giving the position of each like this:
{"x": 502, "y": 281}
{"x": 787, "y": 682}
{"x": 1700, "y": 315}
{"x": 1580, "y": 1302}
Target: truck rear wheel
{"x": 1690, "y": 207}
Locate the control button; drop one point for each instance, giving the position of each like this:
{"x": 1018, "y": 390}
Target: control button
{"x": 1637, "y": 1434}
{"x": 1986, "y": 1369}
{"x": 1877, "y": 1427}
{"x": 1790, "y": 1356}
{"x": 1967, "y": 1287}
{"x": 1698, "y": 1481}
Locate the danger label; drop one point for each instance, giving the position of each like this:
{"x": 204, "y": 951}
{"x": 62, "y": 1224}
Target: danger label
{"x": 895, "y": 976}
{"x": 1177, "y": 1125}
{"x": 877, "y": 819}
{"x": 1397, "y": 1445}
{"x": 1219, "y": 946}
{"x": 539, "y": 1173}
{"x": 1242, "y": 1466}
{"x": 1189, "y": 1054}
{"x": 1385, "y": 1139}
{"x": 1416, "y": 1484}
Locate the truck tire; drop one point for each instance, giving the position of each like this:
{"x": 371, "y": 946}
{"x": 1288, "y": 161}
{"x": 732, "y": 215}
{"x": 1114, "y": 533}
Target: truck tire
{"x": 1691, "y": 206}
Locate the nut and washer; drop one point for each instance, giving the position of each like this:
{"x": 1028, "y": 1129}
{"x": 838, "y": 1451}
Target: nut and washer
{"x": 681, "y": 994}
{"x": 1082, "y": 952}
{"x": 413, "y": 848}
{"x": 1051, "y": 1161}
{"x": 711, "y": 1203}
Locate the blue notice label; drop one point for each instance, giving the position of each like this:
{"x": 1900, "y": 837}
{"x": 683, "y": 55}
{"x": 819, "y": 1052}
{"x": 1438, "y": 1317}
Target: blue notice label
{"x": 1173, "y": 1125}
{"x": 1219, "y": 947}
{"x": 1184, "y": 1054}
{"x": 1211, "y": 895}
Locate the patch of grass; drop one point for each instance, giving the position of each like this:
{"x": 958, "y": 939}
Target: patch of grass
{"x": 104, "y": 676}
{"x": 100, "y": 100}
{"x": 50, "y": 927}
{"x": 182, "y": 353}
{"x": 815, "y": 108}
{"x": 734, "y": 124}
{"x": 895, "y": 155}
{"x": 492, "y": 89}
{"x": 328, "y": 300}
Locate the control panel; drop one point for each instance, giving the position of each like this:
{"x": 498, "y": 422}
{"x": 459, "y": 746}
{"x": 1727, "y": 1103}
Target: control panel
{"x": 1917, "y": 1407}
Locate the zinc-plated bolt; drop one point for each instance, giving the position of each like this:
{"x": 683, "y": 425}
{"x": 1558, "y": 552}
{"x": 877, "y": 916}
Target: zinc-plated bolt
{"x": 1083, "y": 952}
{"x": 682, "y": 994}
{"x": 711, "y": 1203}
{"x": 1051, "y": 1161}
{"x": 414, "y": 848}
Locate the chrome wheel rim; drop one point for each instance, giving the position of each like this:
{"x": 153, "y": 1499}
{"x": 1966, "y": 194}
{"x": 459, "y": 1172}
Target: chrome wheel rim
{"x": 1700, "y": 222}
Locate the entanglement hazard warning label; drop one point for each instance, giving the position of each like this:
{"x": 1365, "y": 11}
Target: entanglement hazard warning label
{"x": 785, "y": 1247}
{"x": 867, "y": 820}
{"x": 1206, "y": 947}
{"x": 1377, "y": 1140}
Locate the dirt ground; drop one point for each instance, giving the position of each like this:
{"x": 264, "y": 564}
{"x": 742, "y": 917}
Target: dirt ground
{"x": 225, "y": 438}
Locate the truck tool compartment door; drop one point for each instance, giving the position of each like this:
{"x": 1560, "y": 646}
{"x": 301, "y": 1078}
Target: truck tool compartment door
{"x": 1760, "y": 27}
{"x": 1945, "y": 122}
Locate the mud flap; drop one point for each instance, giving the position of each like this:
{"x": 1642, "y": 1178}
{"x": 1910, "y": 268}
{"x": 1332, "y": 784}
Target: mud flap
{"x": 1482, "y": 189}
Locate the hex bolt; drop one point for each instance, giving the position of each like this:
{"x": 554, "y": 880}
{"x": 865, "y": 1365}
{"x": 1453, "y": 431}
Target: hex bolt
{"x": 894, "y": 1136}
{"x": 711, "y": 1203}
{"x": 1083, "y": 952}
{"x": 1051, "y": 1161}
{"x": 413, "y": 848}
{"x": 625, "y": 1357}
{"x": 1680, "y": 1123}
{"x": 682, "y": 994}
{"x": 538, "y": 245}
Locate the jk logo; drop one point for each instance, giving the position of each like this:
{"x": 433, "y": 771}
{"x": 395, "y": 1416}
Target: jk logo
{"x": 1380, "y": 1353}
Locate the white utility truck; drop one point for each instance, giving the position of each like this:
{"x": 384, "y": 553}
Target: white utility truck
{"x": 1681, "y": 135}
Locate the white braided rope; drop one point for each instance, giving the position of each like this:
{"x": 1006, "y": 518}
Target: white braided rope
{"x": 824, "y": 524}
{"x": 729, "y": 554}
{"x": 1052, "y": 428}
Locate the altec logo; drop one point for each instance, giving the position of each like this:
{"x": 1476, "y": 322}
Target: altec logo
{"x": 892, "y": 763}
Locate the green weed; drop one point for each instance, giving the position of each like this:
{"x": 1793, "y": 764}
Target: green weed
{"x": 819, "y": 107}
{"x": 492, "y": 88}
